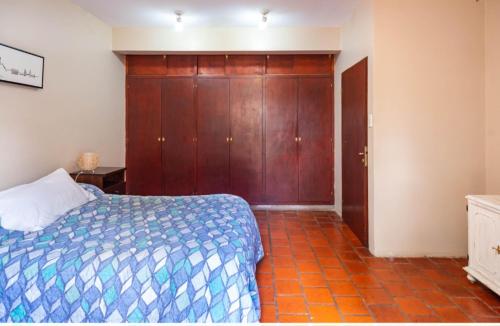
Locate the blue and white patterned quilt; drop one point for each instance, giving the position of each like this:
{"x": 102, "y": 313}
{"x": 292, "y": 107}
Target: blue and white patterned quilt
{"x": 135, "y": 259}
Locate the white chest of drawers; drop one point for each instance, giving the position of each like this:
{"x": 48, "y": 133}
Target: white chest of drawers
{"x": 484, "y": 241}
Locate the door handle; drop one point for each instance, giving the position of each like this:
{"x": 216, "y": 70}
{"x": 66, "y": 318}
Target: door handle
{"x": 497, "y": 249}
{"x": 296, "y": 139}
{"x": 159, "y": 139}
{"x": 227, "y": 139}
{"x": 365, "y": 156}
{"x": 300, "y": 139}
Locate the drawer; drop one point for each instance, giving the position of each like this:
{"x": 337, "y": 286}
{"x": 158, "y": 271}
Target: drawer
{"x": 117, "y": 189}
{"x": 113, "y": 179}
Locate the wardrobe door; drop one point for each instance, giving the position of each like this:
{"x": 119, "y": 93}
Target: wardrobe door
{"x": 213, "y": 136}
{"x": 144, "y": 172}
{"x": 178, "y": 136}
{"x": 315, "y": 140}
{"x": 246, "y": 178}
{"x": 281, "y": 145}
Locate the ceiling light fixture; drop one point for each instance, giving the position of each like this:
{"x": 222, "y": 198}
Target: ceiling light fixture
{"x": 263, "y": 21}
{"x": 179, "y": 26}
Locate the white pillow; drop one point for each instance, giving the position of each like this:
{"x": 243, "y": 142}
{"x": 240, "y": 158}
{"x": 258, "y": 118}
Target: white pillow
{"x": 33, "y": 206}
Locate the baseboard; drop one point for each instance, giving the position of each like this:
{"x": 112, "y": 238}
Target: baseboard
{"x": 320, "y": 208}
{"x": 418, "y": 254}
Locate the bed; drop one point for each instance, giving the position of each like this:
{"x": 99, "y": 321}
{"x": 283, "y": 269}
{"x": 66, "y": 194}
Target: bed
{"x": 135, "y": 259}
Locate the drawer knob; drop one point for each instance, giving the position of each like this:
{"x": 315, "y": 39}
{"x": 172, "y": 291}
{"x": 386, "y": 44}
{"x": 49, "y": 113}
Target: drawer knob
{"x": 497, "y": 249}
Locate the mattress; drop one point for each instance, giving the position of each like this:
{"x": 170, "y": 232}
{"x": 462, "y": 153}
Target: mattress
{"x": 135, "y": 259}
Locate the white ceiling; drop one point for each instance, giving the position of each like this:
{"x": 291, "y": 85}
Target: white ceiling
{"x": 211, "y": 13}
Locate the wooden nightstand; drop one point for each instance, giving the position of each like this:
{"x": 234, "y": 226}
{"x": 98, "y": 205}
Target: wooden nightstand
{"x": 111, "y": 180}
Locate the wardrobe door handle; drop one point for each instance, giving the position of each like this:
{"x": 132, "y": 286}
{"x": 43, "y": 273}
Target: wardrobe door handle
{"x": 159, "y": 139}
{"x": 296, "y": 139}
{"x": 497, "y": 249}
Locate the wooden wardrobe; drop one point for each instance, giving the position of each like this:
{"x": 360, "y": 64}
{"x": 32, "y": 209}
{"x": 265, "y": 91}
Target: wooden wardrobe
{"x": 256, "y": 126}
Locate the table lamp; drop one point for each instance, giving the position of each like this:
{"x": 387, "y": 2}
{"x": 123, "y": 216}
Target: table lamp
{"x": 88, "y": 162}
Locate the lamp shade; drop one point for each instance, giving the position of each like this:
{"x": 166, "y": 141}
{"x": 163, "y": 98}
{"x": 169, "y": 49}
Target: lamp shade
{"x": 88, "y": 161}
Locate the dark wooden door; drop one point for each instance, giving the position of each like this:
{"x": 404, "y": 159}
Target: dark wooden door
{"x": 178, "y": 136}
{"x": 354, "y": 144}
{"x": 315, "y": 140}
{"x": 246, "y": 165}
{"x": 143, "y": 156}
{"x": 213, "y": 135}
{"x": 281, "y": 140}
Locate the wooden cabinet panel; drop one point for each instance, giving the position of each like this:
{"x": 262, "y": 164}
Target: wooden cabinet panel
{"x": 301, "y": 64}
{"x": 213, "y": 131}
{"x": 181, "y": 65}
{"x": 144, "y": 172}
{"x": 148, "y": 65}
{"x": 280, "y": 64}
{"x": 246, "y": 170}
{"x": 218, "y": 65}
{"x": 245, "y": 64}
{"x": 229, "y": 128}
{"x": 315, "y": 142}
{"x": 211, "y": 64}
{"x": 281, "y": 148}
{"x": 313, "y": 64}
{"x": 178, "y": 131}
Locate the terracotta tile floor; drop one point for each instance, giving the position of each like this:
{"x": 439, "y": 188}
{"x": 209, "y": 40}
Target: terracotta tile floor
{"x": 315, "y": 270}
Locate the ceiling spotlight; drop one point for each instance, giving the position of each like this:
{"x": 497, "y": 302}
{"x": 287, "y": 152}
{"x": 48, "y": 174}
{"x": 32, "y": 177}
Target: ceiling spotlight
{"x": 263, "y": 21}
{"x": 179, "y": 26}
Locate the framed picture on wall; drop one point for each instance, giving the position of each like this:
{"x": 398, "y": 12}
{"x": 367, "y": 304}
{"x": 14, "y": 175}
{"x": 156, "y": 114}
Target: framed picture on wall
{"x": 20, "y": 67}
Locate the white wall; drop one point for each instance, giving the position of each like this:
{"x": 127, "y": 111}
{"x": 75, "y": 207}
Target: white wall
{"x": 356, "y": 44}
{"x": 426, "y": 93}
{"x": 492, "y": 75}
{"x": 428, "y": 104}
{"x": 217, "y": 39}
{"x": 81, "y": 107}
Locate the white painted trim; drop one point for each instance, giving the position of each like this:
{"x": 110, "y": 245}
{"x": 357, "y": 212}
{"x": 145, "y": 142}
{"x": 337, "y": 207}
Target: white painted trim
{"x": 215, "y": 52}
{"x": 488, "y": 202}
{"x": 321, "y": 208}
{"x": 226, "y": 40}
{"x": 419, "y": 254}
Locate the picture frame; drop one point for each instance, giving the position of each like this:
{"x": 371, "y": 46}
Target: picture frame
{"x": 21, "y": 67}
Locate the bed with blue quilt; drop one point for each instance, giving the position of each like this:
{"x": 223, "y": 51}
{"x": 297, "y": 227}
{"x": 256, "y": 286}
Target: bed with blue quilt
{"x": 135, "y": 259}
